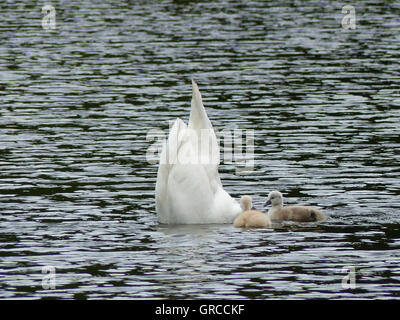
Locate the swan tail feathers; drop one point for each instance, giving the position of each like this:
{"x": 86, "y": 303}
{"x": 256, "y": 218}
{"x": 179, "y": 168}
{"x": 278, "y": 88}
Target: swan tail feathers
{"x": 203, "y": 129}
{"x": 198, "y": 118}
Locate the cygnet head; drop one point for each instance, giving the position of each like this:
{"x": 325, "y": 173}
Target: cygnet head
{"x": 275, "y": 198}
{"x": 245, "y": 203}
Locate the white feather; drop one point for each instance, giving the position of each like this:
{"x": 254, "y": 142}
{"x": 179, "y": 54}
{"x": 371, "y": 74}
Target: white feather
{"x": 188, "y": 188}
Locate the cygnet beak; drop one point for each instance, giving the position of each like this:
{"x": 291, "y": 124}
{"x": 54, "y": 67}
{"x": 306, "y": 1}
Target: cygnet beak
{"x": 267, "y": 203}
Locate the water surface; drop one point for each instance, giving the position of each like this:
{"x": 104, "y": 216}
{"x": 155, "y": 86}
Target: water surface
{"x": 77, "y": 102}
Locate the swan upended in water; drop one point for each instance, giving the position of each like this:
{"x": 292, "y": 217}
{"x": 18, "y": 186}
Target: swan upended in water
{"x": 250, "y": 218}
{"x": 188, "y": 188}
{"x": 293, "y": 213}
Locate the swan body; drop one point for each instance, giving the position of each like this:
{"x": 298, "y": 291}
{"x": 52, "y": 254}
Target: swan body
{"x": 293, "y": 213}
{"x": 250, "y": 218}
{"x": 188, "y": 187}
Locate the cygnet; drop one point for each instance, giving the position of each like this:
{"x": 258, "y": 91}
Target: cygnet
{"x": 251, "y": 218}
{"x": 293, "y": 213}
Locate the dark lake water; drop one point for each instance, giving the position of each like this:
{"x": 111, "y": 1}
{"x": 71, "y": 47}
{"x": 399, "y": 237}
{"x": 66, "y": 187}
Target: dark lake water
{"x": 78, "y": 101}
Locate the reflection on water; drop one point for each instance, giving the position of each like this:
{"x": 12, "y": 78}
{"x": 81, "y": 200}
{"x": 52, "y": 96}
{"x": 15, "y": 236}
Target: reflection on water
{"x": 77, "y": 193}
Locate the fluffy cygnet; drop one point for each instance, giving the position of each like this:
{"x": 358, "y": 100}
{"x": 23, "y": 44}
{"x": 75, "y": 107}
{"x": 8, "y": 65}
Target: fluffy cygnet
{"x": 293, "y": 213}
{"x": 250, "y": 218}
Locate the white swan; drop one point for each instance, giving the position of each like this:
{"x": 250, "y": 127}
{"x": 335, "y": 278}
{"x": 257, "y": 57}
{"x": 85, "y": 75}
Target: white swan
{"x": 188, "y": 188}
{"x": 293, "y": 213}
{"x": 250, "y": 218}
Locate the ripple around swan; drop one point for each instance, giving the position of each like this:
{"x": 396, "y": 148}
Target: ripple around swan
{"x": 76, "y": 190}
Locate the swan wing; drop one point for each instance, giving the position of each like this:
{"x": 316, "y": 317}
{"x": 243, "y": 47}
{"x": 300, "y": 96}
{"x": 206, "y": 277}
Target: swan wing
{"x": 168, "y": 158}
{"x": 184, "y": 193}
{"x": 193, "y": 199}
